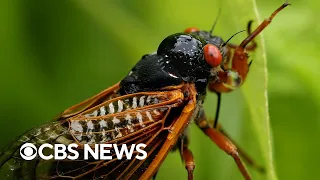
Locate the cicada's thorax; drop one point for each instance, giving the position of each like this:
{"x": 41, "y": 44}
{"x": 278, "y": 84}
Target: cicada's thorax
{"x": 179, "y": 59}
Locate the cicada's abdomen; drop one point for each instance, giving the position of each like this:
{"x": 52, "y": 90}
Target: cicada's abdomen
{"x": 117, "y": 118}
{"x": 12, "y": 166}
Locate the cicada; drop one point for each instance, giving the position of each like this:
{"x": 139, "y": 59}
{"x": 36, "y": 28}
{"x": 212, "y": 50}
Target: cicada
{"x": 153, "y": 104}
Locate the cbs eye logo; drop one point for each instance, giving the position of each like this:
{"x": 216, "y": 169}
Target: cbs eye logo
{"x": 28, "y": 151}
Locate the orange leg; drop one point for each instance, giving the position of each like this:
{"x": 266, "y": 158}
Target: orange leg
{"x": 219, "y": 127}
{"x": 236, "y": 75}
{"x": 242, "y": 153}
{"x": 253, "y": 44}
{"x": 187, "y": 156}
{"x": 239, "y": 60}
{"x": 222, "y": 142}
{"x": 226, "y": 65}
{"x": 231, "y": 46}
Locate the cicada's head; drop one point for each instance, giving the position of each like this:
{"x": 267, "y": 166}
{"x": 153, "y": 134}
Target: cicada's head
{"x": 196, "y": 56}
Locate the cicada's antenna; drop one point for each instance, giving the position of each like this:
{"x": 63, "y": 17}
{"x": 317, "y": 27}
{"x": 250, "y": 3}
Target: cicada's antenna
{"x": 215, "y": 21}
{"x": 225, "y": 43}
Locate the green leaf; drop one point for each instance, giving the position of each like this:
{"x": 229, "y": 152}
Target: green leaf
{"x": 256, "y": 93}
{"x": 252, "y": 100}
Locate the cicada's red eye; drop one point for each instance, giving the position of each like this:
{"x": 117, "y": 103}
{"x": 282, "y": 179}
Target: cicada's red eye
{"x": 212, "y": 55}
{"x": 191, "y": 30}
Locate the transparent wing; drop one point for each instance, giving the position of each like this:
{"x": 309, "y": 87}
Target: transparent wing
{"x": 99, "y": 98}
{"x": 129, "y": 119}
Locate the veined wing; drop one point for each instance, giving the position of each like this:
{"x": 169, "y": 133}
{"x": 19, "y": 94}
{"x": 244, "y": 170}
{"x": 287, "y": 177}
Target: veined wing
{"x": 129, "y": 119}
{"x": 99, "y": 98}
{"x": 48, "y": 130}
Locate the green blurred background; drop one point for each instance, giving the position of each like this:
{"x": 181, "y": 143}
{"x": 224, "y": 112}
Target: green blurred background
{"x": 57, "y": 53}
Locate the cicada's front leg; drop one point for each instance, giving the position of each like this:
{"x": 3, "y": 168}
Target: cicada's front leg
{"x": 233, "y": 77}
{"x": 253, "y": 44}
{"x": 226, "y": 65}
{"x": 231, "y": 47}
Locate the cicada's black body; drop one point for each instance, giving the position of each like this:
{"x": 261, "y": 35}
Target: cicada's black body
{"x": 179, "y": 58}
